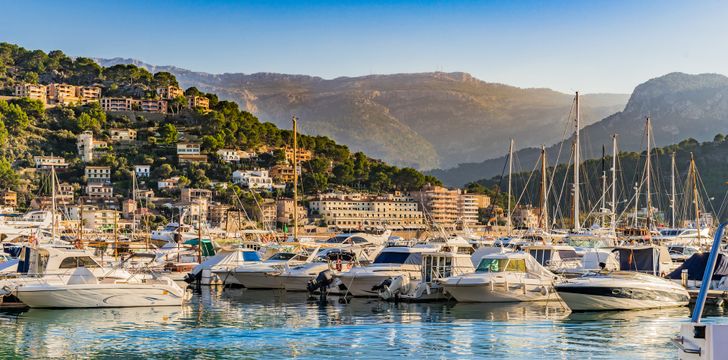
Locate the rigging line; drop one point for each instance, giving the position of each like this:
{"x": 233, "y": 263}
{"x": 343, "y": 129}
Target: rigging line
{"x": 525, "y": 188}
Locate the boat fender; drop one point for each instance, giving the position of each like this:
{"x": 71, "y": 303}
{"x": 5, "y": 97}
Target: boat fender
{"x": 544, "y": 291}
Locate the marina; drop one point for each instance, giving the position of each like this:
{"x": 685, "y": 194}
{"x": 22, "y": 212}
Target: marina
{"x": 248, "y": 323}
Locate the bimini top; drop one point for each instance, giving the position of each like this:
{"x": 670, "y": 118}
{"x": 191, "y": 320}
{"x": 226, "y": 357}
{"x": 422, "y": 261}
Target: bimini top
{"x": 651, "y": 259}
{"x": 513, "y": 261}
{"x": 402, "y": 255}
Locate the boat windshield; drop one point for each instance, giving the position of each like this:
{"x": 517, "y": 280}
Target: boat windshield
{"x": 501, "y": 265}
{"x": 250, "y": 256}
{"x": 337, "y": 239}
{"x": 282, "y": 256}
{"x": 398, "y": 258}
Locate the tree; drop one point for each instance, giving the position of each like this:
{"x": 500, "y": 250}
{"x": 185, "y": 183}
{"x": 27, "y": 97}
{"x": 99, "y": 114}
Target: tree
{"x": 343, "y": 173}
{"x": 8, "y": 177}
{"x": 3, "y": 132}
{"x": 719, "y": 138}
{"x": 408, "y": 179}
{"x": 86, "y": 122}
{"x": 177, "y": 103}
{"x": 169, "y": 133}
{"x": 15, "y": 118}
{"x": 164, "y": 79}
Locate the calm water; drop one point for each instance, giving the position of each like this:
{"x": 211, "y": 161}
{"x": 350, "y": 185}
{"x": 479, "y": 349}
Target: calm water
{"x": 270, "y": 324}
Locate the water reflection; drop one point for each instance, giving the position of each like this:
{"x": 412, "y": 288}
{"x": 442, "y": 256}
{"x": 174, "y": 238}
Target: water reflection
{"x": 276, "y": 324}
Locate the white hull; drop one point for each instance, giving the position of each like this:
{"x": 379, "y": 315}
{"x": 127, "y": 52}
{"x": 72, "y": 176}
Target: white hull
{"x": 258, "y": 280}
{"x": 498, "y": 293}
{"x": 100, "y": 296}
{"x": 296, "y": 282}
{"x": 362, "y": 285}
{"x": 581, "y": 302}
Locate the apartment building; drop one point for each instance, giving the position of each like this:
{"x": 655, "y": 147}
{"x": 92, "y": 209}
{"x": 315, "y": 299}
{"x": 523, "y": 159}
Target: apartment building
{"x": 151, "y": 105}
{"x": 192, "y": 195}
{"x": 117, "y": 104}
{"x": 266, "y": 213}
{"x": 301, "y": 154}
{"x": 88, "y": 93}
{"x": 253, "y": 179}
{"x": 201, "y": 102}
{"x": 348, "y": 211}
{"x": 439, "y": 204}
{"x": 32, "y": 91}
{"x": 99, "y": 220}
{"x": 9, "y": 198}
{"x": 99, "y": 191}
{"x": 283, "y": 173}
{"x": 46, "y": 162}
{"x": 123, "y": 135}
{"x": 98, "y": 174}
{"x": 469, "y": 205}
{"x": 169, "y": 92}
{"x": 185, "y": 148}
{"x": 65, "y": 193}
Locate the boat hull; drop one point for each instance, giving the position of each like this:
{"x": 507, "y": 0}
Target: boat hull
{"x": 259, "y": 280}
{"x": 95, "y": 296}
{"x": 296, "y": 283}
{"x": 499, "y": 293}
{"x": 361, "y": 286}
{"x": 580, "y": 298}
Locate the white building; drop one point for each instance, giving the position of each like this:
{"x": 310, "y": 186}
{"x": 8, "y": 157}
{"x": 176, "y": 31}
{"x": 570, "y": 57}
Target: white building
{"x": 184, "y": 148}
{"x": 234, "y": 155}
{"x": 123, "y": 134}
{"x": 253, "y": 179}
{"x": 170, "y": 183}
{"x": 394, "y": 211}
{"x": 142, "y": 171}
{"x": 46, "y": 162}
{"x": 99, "y": 191}
{"x": 86, "y": 145}
{"x": 98, "y": 174}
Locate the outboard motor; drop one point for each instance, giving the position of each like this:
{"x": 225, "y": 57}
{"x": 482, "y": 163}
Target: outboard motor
{"x": 391, "y": 288}
{"x": 321, "y": 283}
{"x": 387, "y": 282}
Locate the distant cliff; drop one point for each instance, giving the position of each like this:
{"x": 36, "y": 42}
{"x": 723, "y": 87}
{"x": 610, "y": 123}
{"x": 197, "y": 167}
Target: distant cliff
{"x": 681, "y": 106}
{"x": 424, "y": 120}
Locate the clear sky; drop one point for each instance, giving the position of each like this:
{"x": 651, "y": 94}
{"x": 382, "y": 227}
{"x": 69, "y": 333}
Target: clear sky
{"x": 592, "y": 46}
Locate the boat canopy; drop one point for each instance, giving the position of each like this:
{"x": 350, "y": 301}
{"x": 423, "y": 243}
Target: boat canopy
{"x": 518, "y": 262}
{"x": 651, "y": 259}
{"x": 695, "y": 265}
{"x": 207, "y": 248}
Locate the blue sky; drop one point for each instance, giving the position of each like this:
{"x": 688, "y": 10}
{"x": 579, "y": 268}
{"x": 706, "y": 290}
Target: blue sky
{"x": 592, "y": 46}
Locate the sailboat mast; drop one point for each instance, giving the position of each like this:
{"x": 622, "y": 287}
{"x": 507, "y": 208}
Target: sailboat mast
{"x": 199, "y": 234}
{"x": 672, "y": 190}
{"x": 295, "y": 179}
{"x": 695, "y": 197}
{"x": 54, "y": 223}
{"x": 577, "y": 160}
{"x": 510, "y": 174}
{"x": 648, "y": 166}
{"x": 133, "y": 196}
{"x": 544, "y": 192}
{"x": 604, "y": 188}
{"x": 614, "y": 182}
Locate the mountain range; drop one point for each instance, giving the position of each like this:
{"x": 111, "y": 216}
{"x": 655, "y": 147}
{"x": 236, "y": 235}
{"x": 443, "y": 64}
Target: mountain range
{"x": 422, "y": 120}
{"x": 680, "y": 106}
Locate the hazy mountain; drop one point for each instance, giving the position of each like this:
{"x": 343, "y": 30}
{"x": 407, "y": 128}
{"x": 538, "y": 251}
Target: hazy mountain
{"x": 425, "y": 120}
{"x": 680, "y": 106}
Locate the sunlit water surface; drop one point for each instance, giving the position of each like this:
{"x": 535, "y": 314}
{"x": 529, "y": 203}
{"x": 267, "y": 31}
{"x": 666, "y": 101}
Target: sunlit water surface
{"x": 272, "y": 324}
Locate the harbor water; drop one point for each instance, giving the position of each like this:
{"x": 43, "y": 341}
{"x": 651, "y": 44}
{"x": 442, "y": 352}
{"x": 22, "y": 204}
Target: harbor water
{"x": 272, "y": 324}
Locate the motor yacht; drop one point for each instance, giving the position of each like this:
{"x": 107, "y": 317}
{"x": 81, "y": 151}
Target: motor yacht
{"x": 435, "y": 266}
{"x": 391, "y": 262}
{"x": 684, "y": 236}
{"x": 503, "y": 277}
{"x": 337, "y": 260}
{"x": 82, "y": 289}
{"x": 264, "y": 275}
{"x": 622, "y": 290}
{"x": 216, "y": 269}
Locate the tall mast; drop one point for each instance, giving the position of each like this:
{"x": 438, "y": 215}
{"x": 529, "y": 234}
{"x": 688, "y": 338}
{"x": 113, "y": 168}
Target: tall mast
{"x": 295, "y": 179}
{"x": 54, "y": 223}
{"x": 510, "y": 174}
{"x": 133, "y": 196}
{"x": 614, "y": 182}
{"x": 694, "y": 173}
{"x": 577, "y": 159}
{"x": 672, "y": 189}
{"x": 648, "y": 166}
{"x": 199, "y": 234}
{"x": 604, "y": 188}
{"x": 544, "y": 218}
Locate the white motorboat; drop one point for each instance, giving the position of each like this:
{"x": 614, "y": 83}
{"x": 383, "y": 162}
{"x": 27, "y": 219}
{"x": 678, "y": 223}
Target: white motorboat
{"x": 556, "y": 258}
{"x": 172, "y": 231}
{"x": 217, "y": 269}
{"x": 82, "y": 289}
{"x": 435, "y": 266}
{"x": 503, "y": 277}
{"x": 622, "y": 290}
{"x": 391, "y": 262}
{"x": 264, "y": 275}
{"x": 684, "y": 236}
{"x": 338, "y": 260}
